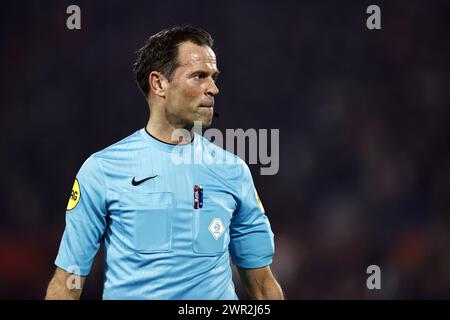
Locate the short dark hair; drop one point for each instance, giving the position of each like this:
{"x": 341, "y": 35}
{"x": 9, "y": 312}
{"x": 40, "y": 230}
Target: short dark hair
{"x": 160, "y": 52}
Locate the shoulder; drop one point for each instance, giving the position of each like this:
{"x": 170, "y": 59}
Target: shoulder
{"x": 225, "y": 163}
{"x": 124, "y": 146}
{"x": 117, "y": 151}
{"x": 222, "y": 156}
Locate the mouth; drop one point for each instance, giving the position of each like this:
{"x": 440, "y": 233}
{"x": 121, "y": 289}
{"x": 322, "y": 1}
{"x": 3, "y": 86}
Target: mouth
{"x": 207, "y": 103}
{"x": 206, "y": 106}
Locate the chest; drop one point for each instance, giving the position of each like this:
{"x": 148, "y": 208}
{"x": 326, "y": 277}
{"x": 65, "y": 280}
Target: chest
{"x": 158, "y": 211}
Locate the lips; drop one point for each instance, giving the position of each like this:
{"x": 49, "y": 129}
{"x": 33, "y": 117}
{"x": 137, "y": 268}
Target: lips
{"x": 207, "y": 104}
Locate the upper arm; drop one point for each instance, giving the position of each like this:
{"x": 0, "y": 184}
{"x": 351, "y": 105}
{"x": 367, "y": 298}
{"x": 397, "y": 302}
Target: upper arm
{"x": 85, "y": 220}
{"x": 251, "y": 238}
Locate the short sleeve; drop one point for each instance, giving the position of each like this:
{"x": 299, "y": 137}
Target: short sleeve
{"x": 85, "y": 220}
{"x": 251, "y": 237}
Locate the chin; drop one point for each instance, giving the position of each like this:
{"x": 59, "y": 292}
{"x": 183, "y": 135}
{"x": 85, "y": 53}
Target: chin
{"x": 206, "y": 123}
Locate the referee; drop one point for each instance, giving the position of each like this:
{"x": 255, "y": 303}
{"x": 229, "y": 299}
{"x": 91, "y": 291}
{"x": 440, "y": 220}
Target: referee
{"x": 168, "y": 229}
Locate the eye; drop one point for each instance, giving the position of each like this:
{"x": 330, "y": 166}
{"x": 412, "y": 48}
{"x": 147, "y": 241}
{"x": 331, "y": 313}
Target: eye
{"x": 200, "y": 75}
{"x": 203, "y": 75}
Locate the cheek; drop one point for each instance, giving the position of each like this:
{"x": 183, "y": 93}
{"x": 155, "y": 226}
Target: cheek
{"x": 189, "y": 96}
{"x": 184, "y": 97}
{"x": 182, "y": 103}
{"x": 191, "y": 92}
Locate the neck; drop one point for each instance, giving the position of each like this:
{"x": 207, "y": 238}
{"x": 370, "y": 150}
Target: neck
{"x": 162, "y": 130}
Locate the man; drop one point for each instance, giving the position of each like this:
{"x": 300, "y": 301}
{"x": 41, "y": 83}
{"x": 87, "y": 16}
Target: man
{"x": 168, "y": 228}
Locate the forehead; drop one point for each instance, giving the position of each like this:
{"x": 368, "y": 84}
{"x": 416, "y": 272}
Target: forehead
{"x": 191, "y": 55}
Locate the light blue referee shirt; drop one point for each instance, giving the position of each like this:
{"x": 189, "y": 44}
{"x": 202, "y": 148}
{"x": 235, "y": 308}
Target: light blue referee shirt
{"x": 137, "y": 198}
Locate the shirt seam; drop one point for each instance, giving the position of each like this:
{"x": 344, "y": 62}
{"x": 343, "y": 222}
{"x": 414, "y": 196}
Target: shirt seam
{"x": 101, "y": 169}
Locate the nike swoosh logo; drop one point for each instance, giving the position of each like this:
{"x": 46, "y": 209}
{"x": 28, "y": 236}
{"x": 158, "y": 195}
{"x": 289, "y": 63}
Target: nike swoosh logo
{"x": 138, "y": 182}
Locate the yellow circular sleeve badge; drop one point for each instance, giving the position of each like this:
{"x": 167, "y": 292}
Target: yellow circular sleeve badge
{"x": 74, "y": 196}
{"x": 258, "y": 200}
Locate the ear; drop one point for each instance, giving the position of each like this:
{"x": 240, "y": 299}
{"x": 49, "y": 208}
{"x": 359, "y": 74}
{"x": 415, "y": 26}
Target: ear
{"x": 158, "y": 83}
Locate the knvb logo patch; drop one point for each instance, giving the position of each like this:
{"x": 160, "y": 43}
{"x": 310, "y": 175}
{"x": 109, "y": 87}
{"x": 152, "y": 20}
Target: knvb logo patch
{"x": 216, "y": 228}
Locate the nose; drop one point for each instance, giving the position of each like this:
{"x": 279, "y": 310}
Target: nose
{"x": 212, "y": 89}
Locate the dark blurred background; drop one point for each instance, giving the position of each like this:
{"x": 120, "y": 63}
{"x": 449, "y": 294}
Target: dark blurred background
{"x": 363, "y": 116}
